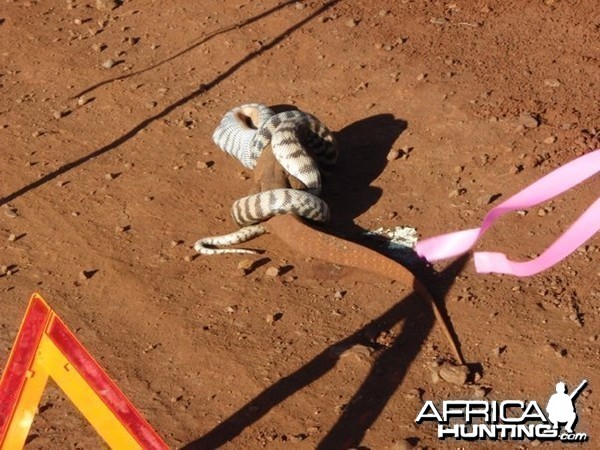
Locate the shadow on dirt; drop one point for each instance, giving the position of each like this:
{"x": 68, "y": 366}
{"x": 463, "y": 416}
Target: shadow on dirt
{"x": 364, "y": 146}
{"x": 203, "y": 88}
{"x": 363, "y": 409}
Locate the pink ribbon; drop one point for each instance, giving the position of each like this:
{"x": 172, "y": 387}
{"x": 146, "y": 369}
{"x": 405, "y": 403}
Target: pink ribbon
{"x": 556, "y": 182}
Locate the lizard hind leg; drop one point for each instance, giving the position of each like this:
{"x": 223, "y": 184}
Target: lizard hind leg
{"x": 208, "y": 245}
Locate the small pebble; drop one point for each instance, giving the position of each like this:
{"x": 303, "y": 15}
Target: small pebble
{"x": 393, "y": 155}
{"x": 3, "y": 270}
{"x": 552, "y": 82}
{"x": 85, "y": 275}
{"x": 421, "y": 76}
{"x": 108, "y": 64}
{"x": 339, "y": 295}
{"x": 515, "y": 169}
{"x": 106, "y": 5}
{"x": 11, "y": 213}
{"x": 351, "y": 23}
{"x": 479, "y": 393}
{"x": 77, "y": 21}
{"x": 454, "y": 374}
{"x": 110, "y": 176}
{"x": 81, "y": 101}
{"x": 574, "y": 317}
{"x": 456, "y": 193}
{"x": 245, "y": 266}
{"x": 550, "y": 140}
{"x": 413, "y": 393}
{"x": 270, "y": 318}
{"x": 402, "y": 445}
{"x": 273, "y": 271}
{"x": 485, "y": 199}
{"x": 12, "y": 237}
{"x": 360, "y": 352}
{"x": 300, "y": 6}
{"x": 498, "y": 351}
{"x": 187, "y": 258}
{"x": 528, "y": 120}
{"x": 297, "y": 437}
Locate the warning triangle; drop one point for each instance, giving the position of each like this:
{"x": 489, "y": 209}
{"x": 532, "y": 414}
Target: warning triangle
{"x": 46, "y": 348}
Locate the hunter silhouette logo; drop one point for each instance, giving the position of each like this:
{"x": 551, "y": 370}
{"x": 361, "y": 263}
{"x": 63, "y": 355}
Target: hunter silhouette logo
{"x": 561, "y": 406}
{"x": 508, "y": 419}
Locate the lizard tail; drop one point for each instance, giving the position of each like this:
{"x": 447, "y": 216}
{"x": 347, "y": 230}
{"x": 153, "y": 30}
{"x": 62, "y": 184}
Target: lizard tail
{"x": 335, "y": 250}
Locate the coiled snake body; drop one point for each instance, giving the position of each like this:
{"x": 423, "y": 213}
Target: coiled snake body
{"x": 301, "y": 144}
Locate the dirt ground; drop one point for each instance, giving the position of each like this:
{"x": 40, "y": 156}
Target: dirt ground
{"x": 109, "y": 175}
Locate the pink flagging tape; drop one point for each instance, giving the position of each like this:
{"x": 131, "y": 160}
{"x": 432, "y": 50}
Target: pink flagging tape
{"x": 556, "y": 182}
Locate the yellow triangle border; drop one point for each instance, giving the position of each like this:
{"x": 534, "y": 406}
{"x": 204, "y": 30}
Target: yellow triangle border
{"x": 46, "y": 348}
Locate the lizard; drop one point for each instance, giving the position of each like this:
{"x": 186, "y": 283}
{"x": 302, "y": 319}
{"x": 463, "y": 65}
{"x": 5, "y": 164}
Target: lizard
{"x": 303, "y": 238}
{"x": 276, "y": 185}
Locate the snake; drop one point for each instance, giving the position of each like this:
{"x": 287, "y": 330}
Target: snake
{"x": 301, "y": 144}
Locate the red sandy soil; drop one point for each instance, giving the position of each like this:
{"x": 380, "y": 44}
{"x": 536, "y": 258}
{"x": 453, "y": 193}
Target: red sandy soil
{"x": 112, "y": 171}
